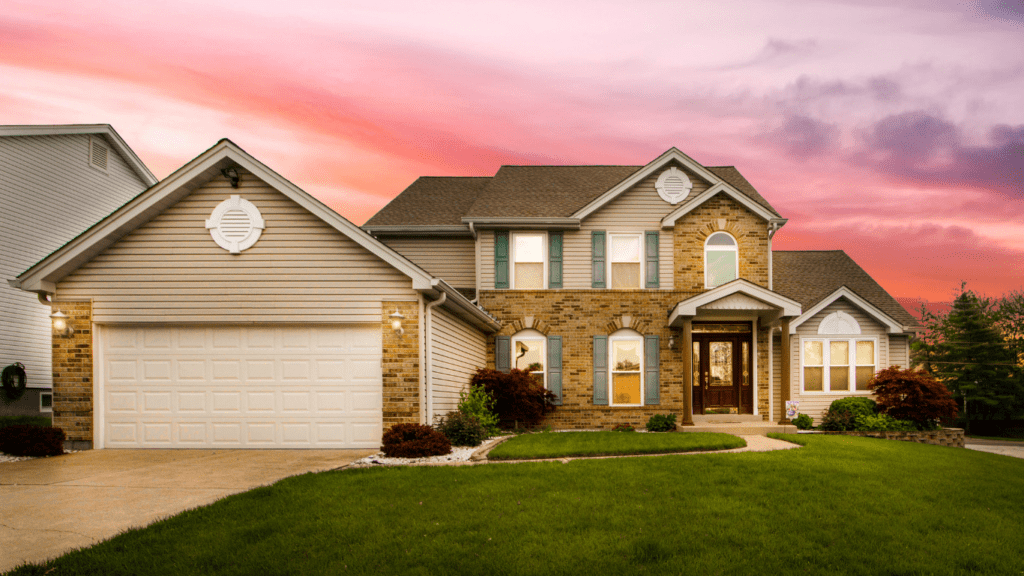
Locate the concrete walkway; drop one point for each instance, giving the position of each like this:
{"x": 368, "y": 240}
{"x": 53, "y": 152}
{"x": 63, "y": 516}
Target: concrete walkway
{"x": 1004, "y": 447}
{"x": 49, "y": 506}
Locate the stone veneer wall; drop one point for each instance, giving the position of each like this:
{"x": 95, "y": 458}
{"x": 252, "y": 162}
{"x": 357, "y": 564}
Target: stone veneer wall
{"x": 579, "y": 315}
{"x": 72, "y": 376}
{"x": 400, "y": 366}
{"x": 719, "y": 213}
{"x": 953, "y": 437}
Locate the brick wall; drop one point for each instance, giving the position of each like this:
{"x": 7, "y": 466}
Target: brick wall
{"x": 953, "y": 437}
{"x": 72, "y": 374}
{"x": 719, "y": 213}
{"x": 400, "y": 365}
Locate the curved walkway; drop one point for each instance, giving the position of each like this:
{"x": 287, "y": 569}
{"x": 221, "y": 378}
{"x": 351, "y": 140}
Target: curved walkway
{"x": 755, "y": 443}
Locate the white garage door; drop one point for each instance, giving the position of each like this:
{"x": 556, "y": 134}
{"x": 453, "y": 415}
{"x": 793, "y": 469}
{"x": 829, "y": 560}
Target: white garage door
{"x": 241, "y": 386}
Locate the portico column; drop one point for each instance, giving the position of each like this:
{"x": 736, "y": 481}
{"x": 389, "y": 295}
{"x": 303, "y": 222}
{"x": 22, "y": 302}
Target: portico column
{"x": 787, "y": 372}
{"x": 687, "y": 372}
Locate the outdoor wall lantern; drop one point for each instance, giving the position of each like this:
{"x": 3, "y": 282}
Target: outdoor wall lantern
{"x": 396, "y": 322}
{"x": 61, "y": 327}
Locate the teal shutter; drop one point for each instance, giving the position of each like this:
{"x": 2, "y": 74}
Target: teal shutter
{"x": 555, "y": 367}
{"x": 601, "y": 370}
{"x": 652, "y": 391}
{"x": 554, "y": 259}
{"x": 652, "y": 258}
{"x": 597, "y": 261}
{"x": 502, "y": 353}
{"x": 500, "y": 259}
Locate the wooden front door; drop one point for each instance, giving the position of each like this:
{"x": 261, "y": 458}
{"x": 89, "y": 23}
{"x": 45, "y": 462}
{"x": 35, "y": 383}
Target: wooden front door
{"x": 722, "y": 372}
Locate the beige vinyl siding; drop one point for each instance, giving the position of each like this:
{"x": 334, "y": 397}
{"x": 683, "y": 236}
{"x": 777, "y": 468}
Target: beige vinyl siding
{"x": 450, "y": 259}
{"x": 458, "y": 351}
{"x": 49, "y": 194}
{"x": 486, "y": 239}
{"x": 816, "y": 403}
{"x": 899, "y": 352}
{"x": 300, "y": 270}
{"x": 776, "y": 390}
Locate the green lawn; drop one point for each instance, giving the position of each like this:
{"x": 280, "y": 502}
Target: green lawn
{"x": 840, "y": 505}
{"x": 561, "y": 444}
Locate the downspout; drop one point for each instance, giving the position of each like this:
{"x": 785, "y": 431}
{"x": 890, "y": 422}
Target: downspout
{"x": 476, "y": 264}
{"x": 428, "y": 361}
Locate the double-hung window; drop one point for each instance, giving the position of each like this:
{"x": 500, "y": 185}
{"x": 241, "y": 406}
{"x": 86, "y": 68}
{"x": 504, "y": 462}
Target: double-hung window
{"x": 529, "y": 255}
{"x": 838, "y": 364}
{"x": 625, "y": 262}
{"x": 529, "y": 353}
{"x": 627, "y": 369}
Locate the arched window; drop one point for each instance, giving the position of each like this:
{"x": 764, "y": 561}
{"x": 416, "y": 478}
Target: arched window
{"x": 721, "y": 260}
{"x": 529, "y": 352}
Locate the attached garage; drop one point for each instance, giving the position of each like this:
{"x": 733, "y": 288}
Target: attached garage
{"x": 226, "y": 308}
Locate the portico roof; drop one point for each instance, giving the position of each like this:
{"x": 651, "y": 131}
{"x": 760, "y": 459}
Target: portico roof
{"x": 739, "y": 297}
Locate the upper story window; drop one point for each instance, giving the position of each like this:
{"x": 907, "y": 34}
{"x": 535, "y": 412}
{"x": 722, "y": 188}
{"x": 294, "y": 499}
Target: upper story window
{"x": 529, "y": 251}
{"x": 625, "y": 261}
{"x": 529, "y": 353}
{"x": 721, "y": 260}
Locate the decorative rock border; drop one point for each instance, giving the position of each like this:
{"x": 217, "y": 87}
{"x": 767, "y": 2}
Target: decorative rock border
{"x": 953, "y": 437}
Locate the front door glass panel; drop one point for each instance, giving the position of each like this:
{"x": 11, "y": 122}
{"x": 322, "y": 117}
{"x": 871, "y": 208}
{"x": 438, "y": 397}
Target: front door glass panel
{"x": 720, "y": 358}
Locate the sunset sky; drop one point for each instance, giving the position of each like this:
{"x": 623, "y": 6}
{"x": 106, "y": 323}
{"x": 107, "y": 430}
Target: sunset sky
{"x": 891, "y": 130}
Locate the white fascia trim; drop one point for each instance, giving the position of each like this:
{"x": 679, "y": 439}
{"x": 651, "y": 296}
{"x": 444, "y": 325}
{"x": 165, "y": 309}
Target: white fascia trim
{"x": 669, "y": 155}
{"x": 154, "y": 200}
{"x": 112, "y": 137}
{"x": 892, "y": 326}
{"x": 457, "y": 301}
{"x": 670, "y": 220}
{"x": 689, "y": 306}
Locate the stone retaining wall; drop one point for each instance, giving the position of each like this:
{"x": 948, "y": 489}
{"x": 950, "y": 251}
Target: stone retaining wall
{"x": 944, "y": 437}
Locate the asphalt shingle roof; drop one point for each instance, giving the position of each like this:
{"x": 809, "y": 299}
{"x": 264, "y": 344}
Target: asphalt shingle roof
{"x": 431, "y": 201}
{"x": 810, "y": 276}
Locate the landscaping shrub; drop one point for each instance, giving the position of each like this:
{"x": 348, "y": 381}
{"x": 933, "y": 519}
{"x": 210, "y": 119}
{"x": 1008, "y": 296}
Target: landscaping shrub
{"x": 623, "y": 428}
{"x": 661, "y": 423}
{"x": 462, "y": 429}
{"x": 883, "y": 423}
{"x": 803, "y": 422}
{"x": 519, "y": 399}
{"x": 24, "y": 440}
{"x": 6, "y": 421}
{"x": 914, "y": 396}
{"x": 858, "y": 405}
{"x": 837, "y": 420}
{"x": 477, "y": 402}
{"x": 414, "y": 441}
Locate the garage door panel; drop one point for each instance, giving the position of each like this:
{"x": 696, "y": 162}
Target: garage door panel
{"x": 262, "y": 386}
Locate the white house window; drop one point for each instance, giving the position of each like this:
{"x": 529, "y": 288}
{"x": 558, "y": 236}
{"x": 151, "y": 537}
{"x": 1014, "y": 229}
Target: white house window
{"x": 838, "y": 364}
{"x": 625, "y": 260}
{"x": 46, "y": 401}
{"x": 721, "y": 260}
{"x": 528, "y": 257}
{"x": 627, "y": 377}
{"x": 529, "y": 353}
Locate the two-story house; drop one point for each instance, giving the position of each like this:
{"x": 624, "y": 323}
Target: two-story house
{"x": 636, "y": 290}
{"x": 224, "y": 307}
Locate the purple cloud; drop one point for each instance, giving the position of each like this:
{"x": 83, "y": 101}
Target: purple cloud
{"x": 803, "y": 137}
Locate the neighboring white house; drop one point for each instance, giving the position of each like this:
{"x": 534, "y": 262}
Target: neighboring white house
{"x": 55, "y": 182}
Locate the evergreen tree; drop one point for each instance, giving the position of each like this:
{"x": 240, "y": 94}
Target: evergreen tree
{"x": 966, "y": 350}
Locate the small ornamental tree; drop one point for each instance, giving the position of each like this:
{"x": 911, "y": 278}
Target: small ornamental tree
{"x": 914, "y": 396}
{"x": 519, "y": 398}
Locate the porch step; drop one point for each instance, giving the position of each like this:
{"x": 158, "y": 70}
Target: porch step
{"x": 726, "y": 418}
{"x": 740, "y": 428}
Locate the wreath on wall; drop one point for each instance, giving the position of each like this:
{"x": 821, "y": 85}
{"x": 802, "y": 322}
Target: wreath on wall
{"x": 13, "y": 379}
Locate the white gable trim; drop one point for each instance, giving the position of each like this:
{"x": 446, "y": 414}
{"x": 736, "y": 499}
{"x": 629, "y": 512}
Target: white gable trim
{"x": 106, "y": 130}
{"x": 43, "y": 276}
{"x": 892, "y": 326}
{"x": 670, "y": 220}
{"x": 660, "y": 161}
{"x": 689, "y": 307}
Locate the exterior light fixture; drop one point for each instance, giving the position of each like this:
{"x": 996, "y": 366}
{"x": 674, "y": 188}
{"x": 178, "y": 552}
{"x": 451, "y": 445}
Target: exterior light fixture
{"x": 232, "y": 175}
{"x": 396, "y": 322}
{"x": 61, "y": 326}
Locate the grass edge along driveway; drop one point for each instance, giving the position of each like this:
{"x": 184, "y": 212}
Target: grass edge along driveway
{"x": 840, "y": 505}
{"x": 570, "y": 444}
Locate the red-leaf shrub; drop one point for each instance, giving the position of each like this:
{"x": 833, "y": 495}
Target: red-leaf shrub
{"x": 25, "y": 440}
{"x": 914, "y": 396}
{"x": 414, "y": 441}
{"x": 519, "y": 399}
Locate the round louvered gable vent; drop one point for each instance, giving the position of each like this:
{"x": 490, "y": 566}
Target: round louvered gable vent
{"x": 673, "y": 185}
{"x": 236, "y": 224}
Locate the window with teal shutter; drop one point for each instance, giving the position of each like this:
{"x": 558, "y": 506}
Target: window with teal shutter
{"x": 652, "y": 391}
{"x": 601, "y": 370}
{"x": 502, "y": 354}
{"x": 597, "y": 245}
{"x": 651, "y": 249}
{"x": 554, "y": 259}
{"x": 555, "y": 367}
{"x": 500, "y": 259}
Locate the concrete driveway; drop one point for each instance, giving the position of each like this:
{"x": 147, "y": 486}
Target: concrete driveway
{"x": 53, "y": 505}
{"x": 1004, "y": 447}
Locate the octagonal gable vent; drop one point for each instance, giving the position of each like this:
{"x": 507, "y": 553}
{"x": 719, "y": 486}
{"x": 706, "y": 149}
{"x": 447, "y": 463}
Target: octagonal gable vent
{"x": 236, "y": 224}
{"x": 673, "y": 185}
